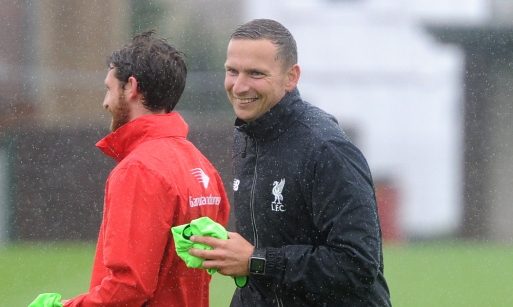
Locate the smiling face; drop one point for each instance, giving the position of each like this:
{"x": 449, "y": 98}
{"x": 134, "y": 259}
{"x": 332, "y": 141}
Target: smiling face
{"x": 255, "y": 79}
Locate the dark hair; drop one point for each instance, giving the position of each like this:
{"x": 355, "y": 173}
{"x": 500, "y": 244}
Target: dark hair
{"x": 273, "y": 31}
{"x": 160, "y": 70}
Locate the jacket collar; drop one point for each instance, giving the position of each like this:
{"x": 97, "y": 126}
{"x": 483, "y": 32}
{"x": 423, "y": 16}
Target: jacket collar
{"x": 276, "y": 120}
{"x": 121, "y": 142}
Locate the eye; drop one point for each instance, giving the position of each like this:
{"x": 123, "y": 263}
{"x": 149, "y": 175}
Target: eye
{"x": 231, "y": 71}
{"x": 256, "y": 73}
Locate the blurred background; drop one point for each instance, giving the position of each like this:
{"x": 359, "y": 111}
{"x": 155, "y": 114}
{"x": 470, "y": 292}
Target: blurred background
{"x": 423, "y": 87}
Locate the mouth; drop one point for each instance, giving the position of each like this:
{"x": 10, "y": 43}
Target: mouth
{"x": 245, "y": 100}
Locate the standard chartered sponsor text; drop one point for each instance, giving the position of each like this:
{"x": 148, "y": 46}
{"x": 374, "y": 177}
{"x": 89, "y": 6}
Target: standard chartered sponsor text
{"x": 204, "y": 200}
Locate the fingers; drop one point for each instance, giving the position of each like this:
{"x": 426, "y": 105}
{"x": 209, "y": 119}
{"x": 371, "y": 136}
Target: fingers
{"x": 214, "y": 259}
{"x": 213, "y": 264}
{"x": 218, "y": 245}
{"x": 207, "y": 240}
{"x": 229, "y": 257}
{"x": 206, "y": 254}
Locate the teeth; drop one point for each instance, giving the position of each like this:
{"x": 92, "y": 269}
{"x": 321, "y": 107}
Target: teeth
{"x": 245, "y": 100}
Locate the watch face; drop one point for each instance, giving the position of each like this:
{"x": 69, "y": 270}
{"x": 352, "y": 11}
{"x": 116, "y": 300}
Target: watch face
{"x": 257, "y": 266}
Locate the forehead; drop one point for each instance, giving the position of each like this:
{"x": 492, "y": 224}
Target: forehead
{"x": 251, "y": 52}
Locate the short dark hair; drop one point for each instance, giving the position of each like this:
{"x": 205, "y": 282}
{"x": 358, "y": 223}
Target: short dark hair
{"x": 275, "y": 32}
{"x": 159, "y": 68}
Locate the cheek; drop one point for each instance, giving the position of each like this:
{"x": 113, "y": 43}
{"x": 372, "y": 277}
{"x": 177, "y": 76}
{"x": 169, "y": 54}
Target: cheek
{"x": 228, "y": 82}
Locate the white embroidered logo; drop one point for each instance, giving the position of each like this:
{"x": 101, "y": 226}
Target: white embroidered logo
{"x": 201, "y": 176}
{"x": 236, "y": 183}
{"x": 278, "y": 197}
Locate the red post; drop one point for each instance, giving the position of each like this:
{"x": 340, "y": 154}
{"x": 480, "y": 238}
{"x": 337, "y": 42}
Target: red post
{"x": 387, "y": 197}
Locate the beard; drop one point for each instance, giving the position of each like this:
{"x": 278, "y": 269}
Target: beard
{"x": 120, "y": 114}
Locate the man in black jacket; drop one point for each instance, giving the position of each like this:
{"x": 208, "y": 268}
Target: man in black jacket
{"x": 308, "y": 232}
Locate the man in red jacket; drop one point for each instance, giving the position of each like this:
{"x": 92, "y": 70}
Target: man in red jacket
{"x": 161, "y": 180}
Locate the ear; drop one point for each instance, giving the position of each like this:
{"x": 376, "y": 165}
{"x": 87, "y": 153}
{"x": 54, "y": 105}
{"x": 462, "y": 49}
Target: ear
{"x": 133, "y": 89}
{"x": 292, "y": 77}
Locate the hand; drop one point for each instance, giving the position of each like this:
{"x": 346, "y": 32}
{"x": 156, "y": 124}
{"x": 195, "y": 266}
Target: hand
{"x": 230, "y": 257}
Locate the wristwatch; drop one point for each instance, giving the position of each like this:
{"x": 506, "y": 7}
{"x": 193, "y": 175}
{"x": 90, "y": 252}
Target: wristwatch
{"x": 257, "y": 261}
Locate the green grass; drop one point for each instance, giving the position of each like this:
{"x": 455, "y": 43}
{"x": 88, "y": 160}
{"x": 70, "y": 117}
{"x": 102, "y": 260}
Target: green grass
{"x": 28, "y": 269}
{"x": 450, "y": 274}
{"x": 428, "y": 274}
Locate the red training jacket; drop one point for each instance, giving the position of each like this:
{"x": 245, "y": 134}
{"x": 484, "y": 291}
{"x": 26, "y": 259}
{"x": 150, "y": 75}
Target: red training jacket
{"x": 161, "y": 181}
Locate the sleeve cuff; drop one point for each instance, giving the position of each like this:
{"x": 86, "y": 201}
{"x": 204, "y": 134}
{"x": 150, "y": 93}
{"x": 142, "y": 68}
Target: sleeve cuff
{"x": 274, "y": 266}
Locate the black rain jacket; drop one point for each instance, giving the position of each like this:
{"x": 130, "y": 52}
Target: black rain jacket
{"x": 304, "y": 194}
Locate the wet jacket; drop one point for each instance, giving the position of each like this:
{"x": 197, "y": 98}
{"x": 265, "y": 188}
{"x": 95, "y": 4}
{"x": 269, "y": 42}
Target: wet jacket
{"x": 303, "y": 194}
{"x": 161, "y": 180}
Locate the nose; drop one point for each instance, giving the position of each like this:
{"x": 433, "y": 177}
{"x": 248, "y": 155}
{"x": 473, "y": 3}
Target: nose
{"x": 240, "y": 84}
{"x": 105, "y": 104}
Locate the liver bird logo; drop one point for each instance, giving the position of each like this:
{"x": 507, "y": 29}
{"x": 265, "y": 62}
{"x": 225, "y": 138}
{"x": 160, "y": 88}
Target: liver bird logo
{"x": 201, "y": 176}
{"x": 277, "y": 189}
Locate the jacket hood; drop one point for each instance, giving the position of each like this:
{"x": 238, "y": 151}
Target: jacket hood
{"x": 276, "y": 120}
{"x": 121, "y": 142}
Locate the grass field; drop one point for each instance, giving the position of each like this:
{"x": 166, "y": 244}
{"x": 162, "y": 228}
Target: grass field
{"x": 428, "y": 274}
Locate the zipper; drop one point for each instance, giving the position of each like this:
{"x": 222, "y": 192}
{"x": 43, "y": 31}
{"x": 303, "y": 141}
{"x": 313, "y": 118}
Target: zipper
{"x": 252, "y": 205}
{"x": 252, "y": 197}
{"x": 245, "y": 146}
